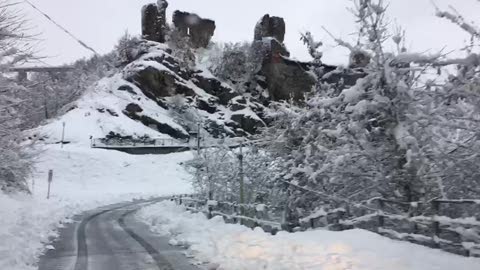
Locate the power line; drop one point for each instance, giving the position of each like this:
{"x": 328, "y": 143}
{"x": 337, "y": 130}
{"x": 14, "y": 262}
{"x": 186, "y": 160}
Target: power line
{"x": 83, "y": 44}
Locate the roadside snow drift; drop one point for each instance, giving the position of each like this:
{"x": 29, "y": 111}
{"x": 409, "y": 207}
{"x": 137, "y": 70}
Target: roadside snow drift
{"x": 234, "y": 247}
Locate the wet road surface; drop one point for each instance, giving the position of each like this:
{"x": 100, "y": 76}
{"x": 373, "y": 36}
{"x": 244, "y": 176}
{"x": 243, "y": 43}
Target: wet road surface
{"x": 110, "y": 238}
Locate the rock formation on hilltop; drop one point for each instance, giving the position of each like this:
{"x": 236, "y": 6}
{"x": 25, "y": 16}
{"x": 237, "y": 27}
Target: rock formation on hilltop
{"x": 162, "y": 76}
{"x": 270, "y": 27}
{"x": 154, "y": 21}
{"x": 191, "y": 25}
{"x": 285, "y": 78}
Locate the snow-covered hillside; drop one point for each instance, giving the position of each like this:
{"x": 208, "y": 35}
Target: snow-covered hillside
{"x": 155, "y": 96}
{"x": 100, "y": 111}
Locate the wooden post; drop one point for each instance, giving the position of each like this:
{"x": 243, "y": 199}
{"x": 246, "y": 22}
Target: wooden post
{"x": 50, "y": 179}
{"x": 210, "y": 209}
{"x": 381, "y": 217}
{"x": 235, "y": 213}
{"x": 435, "y": 223}
{"x": 242, "y": 183}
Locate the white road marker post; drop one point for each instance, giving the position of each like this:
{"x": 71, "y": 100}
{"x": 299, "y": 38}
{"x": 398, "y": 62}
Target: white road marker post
{"x": 63, "y": 133}
{"x": 50, "y": 179}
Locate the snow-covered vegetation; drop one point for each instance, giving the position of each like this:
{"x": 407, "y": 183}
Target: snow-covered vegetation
{"x": 15, "y": 163}
{"x": 401, "y": 134}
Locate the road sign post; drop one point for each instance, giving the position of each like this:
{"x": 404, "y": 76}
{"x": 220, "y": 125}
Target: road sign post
{"x": 50, "y": 179}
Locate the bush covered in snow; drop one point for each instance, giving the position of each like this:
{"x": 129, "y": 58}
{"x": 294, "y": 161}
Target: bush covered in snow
{"x": 14, "y": 162}
{"x": 397, "y": 134}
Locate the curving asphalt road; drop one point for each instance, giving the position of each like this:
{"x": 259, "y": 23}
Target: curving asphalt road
{"x": 110, "y": 238}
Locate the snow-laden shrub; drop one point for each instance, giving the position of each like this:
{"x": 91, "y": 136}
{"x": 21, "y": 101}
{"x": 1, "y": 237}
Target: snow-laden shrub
{"x": 14, "y": 49}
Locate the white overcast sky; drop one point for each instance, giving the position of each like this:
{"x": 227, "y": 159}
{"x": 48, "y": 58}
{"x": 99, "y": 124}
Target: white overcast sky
{"x": 100, "y": 23}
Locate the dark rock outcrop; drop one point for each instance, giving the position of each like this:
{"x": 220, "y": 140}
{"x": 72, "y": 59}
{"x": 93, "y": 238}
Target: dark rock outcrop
{"x": 206, "y": 105}
{"x": 127, "y": 88}
{"x": 247, "y": 123}
{"x": 285, "y": 78}
{"x": 133, "y": 108}
{"x": 270, "y": 27}
{"x": 161, "y": 127}
{"x": 198, "y": 29}
{"x": 215, "y": 87}
{"x": 154, "y": 21}
{"x": 154, "y": 83}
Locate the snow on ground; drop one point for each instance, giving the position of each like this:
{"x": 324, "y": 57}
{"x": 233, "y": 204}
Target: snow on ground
{"x": 234, "y": 247}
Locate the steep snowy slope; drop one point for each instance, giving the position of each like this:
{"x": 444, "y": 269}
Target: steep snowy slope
{"x": 101, "y": 111}
{"x": 156, "y": 96}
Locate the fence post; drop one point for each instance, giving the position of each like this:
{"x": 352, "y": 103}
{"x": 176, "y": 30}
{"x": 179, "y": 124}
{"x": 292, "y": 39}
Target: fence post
{"x": 235, "y": 213}
{"x": 381, "y": 217}
{"x": 242, "y": 187}
{"x": 435, "y": 223}
{"x": 50, "y": 179}
{"x": 312, "y": 223}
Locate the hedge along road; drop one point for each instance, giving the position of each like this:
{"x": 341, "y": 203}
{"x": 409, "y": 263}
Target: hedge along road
{"x": 110, "y": 238}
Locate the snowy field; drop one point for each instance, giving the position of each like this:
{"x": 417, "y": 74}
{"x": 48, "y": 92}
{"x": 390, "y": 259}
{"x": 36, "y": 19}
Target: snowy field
{"x": 234, "y": 247}
{"x": 84, "y": 179}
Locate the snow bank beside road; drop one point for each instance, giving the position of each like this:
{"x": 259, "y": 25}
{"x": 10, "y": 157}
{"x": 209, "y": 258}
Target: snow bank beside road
{"x": 234, "y": 247}
{"x": 84, "y": 179}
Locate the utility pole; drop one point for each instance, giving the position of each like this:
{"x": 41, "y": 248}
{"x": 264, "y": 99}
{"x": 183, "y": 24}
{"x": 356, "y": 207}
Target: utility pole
{"x": 242, "y": 188}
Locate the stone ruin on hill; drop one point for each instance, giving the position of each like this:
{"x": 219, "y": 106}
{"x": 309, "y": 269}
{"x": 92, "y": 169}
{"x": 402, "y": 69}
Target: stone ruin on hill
{"x": 155, "y": 27}
{"x": 199, "y": 30}
{"x": 154, "y": 21}
{"x": 283, "y": 77}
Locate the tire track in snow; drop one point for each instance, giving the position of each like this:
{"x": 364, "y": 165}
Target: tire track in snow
{"x": 162, "y": 262}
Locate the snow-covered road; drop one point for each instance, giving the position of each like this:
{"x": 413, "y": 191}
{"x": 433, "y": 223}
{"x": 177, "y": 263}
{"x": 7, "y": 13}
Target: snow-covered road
{"x": 109, "y": 238}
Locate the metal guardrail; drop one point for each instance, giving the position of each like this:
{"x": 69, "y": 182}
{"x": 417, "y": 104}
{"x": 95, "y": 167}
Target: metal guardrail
{"x": 122, "y": 142}
{"x": 137, "y": 143}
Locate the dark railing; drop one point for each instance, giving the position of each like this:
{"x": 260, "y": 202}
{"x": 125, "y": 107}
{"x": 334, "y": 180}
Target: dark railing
{"x": 423, "y": 222}
{"x": 250, "y": 215}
